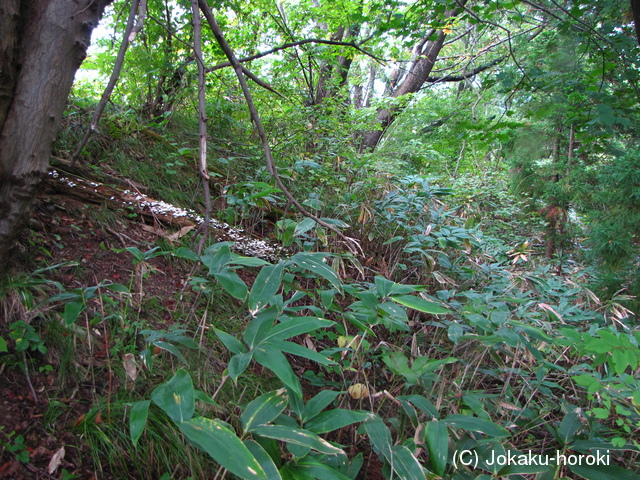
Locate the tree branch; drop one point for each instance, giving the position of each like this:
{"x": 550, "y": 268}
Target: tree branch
{"x": 202, "y": 119}
{"x": 351, "y": 243}
{"x": 464, "y": 76}
{"x": 115, "y": 75}
{"x": 294, "y": 44}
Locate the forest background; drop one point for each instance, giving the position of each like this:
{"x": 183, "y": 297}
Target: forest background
{"x": 443, "y": 202}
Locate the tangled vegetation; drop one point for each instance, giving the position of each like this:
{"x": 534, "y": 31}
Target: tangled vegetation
{"x": 460, "y": 301}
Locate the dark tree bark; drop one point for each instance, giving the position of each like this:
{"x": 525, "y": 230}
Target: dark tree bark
{"x": 415, "y": 78}
{"x": 43, "y": 42}
{"x": 635, "y": 11}
{"x": 426, "y": 53}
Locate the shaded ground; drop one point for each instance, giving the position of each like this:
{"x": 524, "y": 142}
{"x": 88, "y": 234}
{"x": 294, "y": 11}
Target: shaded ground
{"x": 67, "y": 230}
{"x": 89, "y": 229}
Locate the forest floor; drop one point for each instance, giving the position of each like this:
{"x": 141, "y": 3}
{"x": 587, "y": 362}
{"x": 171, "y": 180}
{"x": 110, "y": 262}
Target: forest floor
{"x": 65, "y": 232}
{"x": 42, "y": 437}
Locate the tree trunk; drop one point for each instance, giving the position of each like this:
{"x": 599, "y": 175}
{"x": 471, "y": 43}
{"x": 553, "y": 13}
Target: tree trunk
{"x": 415, "y": 78}
{"x": 42, "y": 45}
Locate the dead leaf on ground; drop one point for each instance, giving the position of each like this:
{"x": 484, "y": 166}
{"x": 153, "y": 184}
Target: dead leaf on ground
{"x": 55, "y": 461}
{"x": 130, "y": 366}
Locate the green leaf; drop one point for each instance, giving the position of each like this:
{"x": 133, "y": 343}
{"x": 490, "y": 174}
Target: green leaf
{"x": 239, "y": 364}
{"x": 317, "y": 469}
{"x": 232, "y": 343}
{"x": 437, "y": 437}
{"x": 455, "y": 332}
{"x": 264, "y": 409}
{"x": 265, "y": 286}
{"x": 314, "y": 262}
{"x": 300, "y": 351}
{"x": 475, "y": 424}
{"x": 117, "y": 287}
{"x": 176, "y": 397}
{"x": 386, "y": 287}
{"x": 380, "y": 437}
{"x": 604, "y": 472}
{"x": 138, "y": 420}
{"x": 334, "y": 419}
{"x": 224, "y": 447}
{"x": 260, "y": 326}
{"x": 203, "y": 397}
{"x": 297, "y": 436}
{"x": 71, "y": 312}
{"x": 232, "y": 283}
{"x": 170, "y": 348}
{"x": 420, "y": 304}
{"x": 275, "y": 361}
{"x": 183, "y": 252}
{"x": 297, "y": 326}
{"x": 218, "y": 261}
{"x": 3, "y": 345}
{"x": 405, "y": 464}
{"x": 263, "y": 458}
{"x": 569, "y": 426}
{"x": 422, "y": 403}
{"x": 319, "y": 403}
{"x": 304, "y": 226}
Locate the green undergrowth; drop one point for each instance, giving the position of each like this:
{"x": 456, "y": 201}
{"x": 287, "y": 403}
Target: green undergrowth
{"x": 449, "y": 342}
{"x": 301, "y": 374}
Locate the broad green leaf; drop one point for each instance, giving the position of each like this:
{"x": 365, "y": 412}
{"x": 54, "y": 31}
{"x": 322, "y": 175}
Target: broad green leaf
{"x": 263, "y": 458}
{"x": 380, "y": 437}
{"x": 317, "y": 469}
{"x": 475, "y": 424}
{"x": 232, "y": 343}
{"x": 224, "y": 447}
{"x": 314, "y": 262}
{"x": 334, "y": 419}
{"x": 300, "y": 351}
{"x": 604, "y": 472}
{"x": 455, "y": 332}
{"x": 259, "y": 327}
{"x": 3, "y": 345}
{"x": 569, "y": 426}
{"x": 239, "y": 364}
{"x": 138, "y": 420}
{"x": 265, "y": 286}
{"x": 232, "y": 283}
{"x": 304, "y": 226}
{"x": 394, "y": 311}
{"x": 318, "y": 403}
{"x": 171, "y": 349}
{"x": 386, "y": 287}
{"x": 297, "y": 436}
{"x": 275, "y": 361}
{"x": 421, "y": 403}
{"x": 203, "y": 397}
{"x": 183, "y": 252}
{"x": 410, "y": 411}
{"x": 71, "y": 312}
{"x": 297, "y": 326}
{"x": 117, "y": 287}
{"x": 420, "y": 304}
{"x": 247, "y": 261}
{"x": 437, "y": 437}
{"x": 264, "y": 409}
{"x": 176, "y": 397}
{"x": 405, "y": 464}
{"x": 218, "y": 261}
